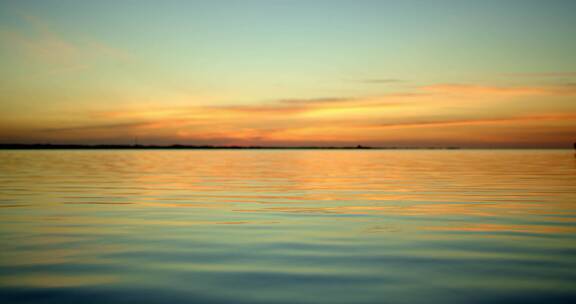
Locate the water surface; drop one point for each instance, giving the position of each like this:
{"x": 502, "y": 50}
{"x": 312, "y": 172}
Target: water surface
{"x": 274, "y": 226}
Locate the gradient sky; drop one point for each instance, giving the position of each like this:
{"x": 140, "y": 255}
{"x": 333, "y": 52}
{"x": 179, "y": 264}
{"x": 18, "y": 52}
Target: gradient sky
{"x": 485, "y": 73}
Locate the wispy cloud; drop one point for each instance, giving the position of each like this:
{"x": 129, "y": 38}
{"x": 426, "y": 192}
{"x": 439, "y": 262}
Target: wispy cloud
{"x": 309, "y": 101}
{"x": 101, "y": 127}
{"x": 482, "y": 121}
{"x": 382, "y": 80}
{"x": 41, "y": 43}
{"x": 469, "y": 89}
{"x": 542, "y": 74}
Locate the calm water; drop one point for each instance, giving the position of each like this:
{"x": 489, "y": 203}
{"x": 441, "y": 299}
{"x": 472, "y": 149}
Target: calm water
{"x": 287, "y": 227}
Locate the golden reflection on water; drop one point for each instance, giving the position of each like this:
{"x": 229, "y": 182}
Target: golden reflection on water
{"x": 344, "y": 226}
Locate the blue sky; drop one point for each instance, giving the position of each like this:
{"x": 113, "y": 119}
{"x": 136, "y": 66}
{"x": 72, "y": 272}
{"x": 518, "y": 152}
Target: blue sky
{"x": 109, "y": 55}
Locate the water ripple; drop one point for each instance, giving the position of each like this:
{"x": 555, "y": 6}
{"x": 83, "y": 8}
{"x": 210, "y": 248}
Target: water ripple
{"x": 287, "y": 226}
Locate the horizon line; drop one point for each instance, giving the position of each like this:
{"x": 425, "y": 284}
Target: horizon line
{"x": 49, "y": 146}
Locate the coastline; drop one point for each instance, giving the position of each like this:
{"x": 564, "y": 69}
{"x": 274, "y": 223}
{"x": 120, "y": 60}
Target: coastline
{"x": 203, "y": 147}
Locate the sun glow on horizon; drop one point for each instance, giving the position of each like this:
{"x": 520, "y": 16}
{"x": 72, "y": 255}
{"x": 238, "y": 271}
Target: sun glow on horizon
{"x": 288, "y": 73}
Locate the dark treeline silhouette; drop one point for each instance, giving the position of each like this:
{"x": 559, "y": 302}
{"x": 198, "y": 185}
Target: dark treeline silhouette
{"x": 175, "y": 147}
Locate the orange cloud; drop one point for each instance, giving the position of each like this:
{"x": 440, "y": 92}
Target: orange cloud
{"x": 431, "y": 114}
{"x": 481, "y": 121}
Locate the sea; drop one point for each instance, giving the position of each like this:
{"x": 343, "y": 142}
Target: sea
{"x": 288, "y": 226}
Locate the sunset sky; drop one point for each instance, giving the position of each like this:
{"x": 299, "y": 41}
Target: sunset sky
{"x": 485, "y": 73}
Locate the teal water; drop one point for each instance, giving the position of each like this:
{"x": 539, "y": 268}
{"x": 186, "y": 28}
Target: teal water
{"x": 276, "y": 226}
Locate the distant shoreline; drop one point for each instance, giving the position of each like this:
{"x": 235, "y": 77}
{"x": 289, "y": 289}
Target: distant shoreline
{"x": 234, "y": 147}
{"x": 209, "y": 147}
{"x": 200, "y": 147}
